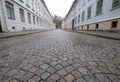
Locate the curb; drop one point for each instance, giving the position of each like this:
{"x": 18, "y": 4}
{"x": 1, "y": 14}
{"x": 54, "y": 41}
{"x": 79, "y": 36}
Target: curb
{"x": 23, "y": 34}
{"x": 97, "y": 35}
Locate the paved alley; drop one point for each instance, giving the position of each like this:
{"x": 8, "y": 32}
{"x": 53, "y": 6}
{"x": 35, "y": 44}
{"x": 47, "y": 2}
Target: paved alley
{"x": 59, "y": 56}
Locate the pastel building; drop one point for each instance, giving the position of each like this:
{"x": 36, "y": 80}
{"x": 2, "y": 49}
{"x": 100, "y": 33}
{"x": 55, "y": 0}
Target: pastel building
{"x": 93, "y": 15}
{"x": 18, "y": 15}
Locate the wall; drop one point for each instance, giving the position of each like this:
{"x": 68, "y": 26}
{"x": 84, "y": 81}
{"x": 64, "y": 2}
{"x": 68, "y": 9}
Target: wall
{"x": 104, "y": 19}
{"x": 43, "y": 16}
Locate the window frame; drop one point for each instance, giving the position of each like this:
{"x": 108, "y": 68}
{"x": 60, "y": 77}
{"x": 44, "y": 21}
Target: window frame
{"x": 22, "y": 15}
{"x": 89, "y": 12}
{"x": 29, "y": 17}
{"x": 79, "y": 18}
{"x": 10, "y": 10}
{"x": 83, "y": 16}
{"x": 99, "y": 7}
{"x": 114, "y": 6}
{"x": 33, "y": 19}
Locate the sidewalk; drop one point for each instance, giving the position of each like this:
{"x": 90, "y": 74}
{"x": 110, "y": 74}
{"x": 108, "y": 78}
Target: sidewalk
{"x": 103, "y": 34}
{"x": 20, "y": 33}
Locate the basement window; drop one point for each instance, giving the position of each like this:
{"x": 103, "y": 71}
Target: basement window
{"x": 82, "y": 27}
{"x": 87, "y": 26}
{"x": 114, "y": 24}
{"x": 97, "y": 26}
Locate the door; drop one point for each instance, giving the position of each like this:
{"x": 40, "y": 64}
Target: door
{"x": 0, "y": 27}
{"x": 73, "y": 24}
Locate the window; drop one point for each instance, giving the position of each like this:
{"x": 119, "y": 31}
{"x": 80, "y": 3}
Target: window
{"x": 99, "y": 7}
{"x": 22, "y": 16}
{"x": 10, "y": 10}
{"x": 116, "y": 4}
{"x": 37, "y": 21}
{"x": 21, "y": 1}
{"x": 27, "y": 3}
{"x": 114, "y": 24}
{"x": 75, "y": 20}
{"x": 79, "y": 18}
{"x": 83, "y": 16}
{"x": 33, "y": 19}
{"x": 84, "y": 2}
{"x": 82, "y": 27}
{"x": 97, "y": 26}
{"x": 89, "y": 12}
{"x": 29, "y": 18}
{"x": 87, "y": 26}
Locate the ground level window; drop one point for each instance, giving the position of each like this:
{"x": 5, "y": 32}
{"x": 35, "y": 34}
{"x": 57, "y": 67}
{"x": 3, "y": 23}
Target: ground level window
{"x": 0, "y": 27}
{"x": 97, "y": 26}
{"x": 114, "y": 24}
{"x": 87, "y": 26}
{"x": 82, "y": 27}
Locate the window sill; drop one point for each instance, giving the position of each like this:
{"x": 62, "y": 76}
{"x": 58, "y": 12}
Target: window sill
{"x": 98, "y": 14}
{"x": 23, "y": 21}
{"x": 11, "y": 18}
{"x": 115, "y": 8}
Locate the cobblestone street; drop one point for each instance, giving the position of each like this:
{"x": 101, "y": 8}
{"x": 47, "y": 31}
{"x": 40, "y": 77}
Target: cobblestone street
{"x": 59, "y": 56}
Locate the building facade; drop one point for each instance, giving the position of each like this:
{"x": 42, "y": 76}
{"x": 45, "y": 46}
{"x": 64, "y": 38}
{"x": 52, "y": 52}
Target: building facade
{"x": 18, "y": 15}
{"x": 93, "y": 15}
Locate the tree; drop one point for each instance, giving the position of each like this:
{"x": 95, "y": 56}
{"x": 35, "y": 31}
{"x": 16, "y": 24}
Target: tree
{"x": 58, "y": 21}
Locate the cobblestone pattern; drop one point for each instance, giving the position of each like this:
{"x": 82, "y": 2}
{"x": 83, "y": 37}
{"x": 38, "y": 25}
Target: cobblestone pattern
{"x": 59, "y": 56}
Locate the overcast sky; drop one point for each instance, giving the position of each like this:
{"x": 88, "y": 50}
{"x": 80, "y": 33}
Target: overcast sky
{"x": 59, "y": 7}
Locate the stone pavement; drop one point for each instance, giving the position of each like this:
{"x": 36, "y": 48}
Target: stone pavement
{"x": 104, "y": 34}
{"x": 20, "y": 33}
{"x": 59, "y": 56}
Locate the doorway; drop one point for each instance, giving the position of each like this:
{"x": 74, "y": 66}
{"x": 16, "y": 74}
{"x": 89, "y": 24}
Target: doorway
{"x": 73, "y": 24}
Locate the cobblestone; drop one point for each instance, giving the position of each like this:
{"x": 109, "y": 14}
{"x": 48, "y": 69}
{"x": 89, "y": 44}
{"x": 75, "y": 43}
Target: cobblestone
{"x": 53, "y": 78}
{"x": 26, "y": 77}
{"x": 58, "y": 67}
{"x": 45, "y": 66}
{"x": 45, "y": 75}
{"x": 70, "y": 68}
{"x": 69, "y": 78}
{"x": 35, "y": 79}
{"x": 51, "y": 70}
{"x": 62, "y": 72}
{"x": 83, "y": 70}
{"x": 59, "y": 56}
{"x": 11, "y": 72}
{"x": 18, "y": 74}
{"x": 33, "y": 69}
{"x": 14, "y": 80}
{"x": 76, "y": 74}
{"x": 80, "y": 80}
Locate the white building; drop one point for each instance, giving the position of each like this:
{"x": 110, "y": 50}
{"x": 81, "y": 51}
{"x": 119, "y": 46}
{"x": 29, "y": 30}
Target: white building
{"x": 93, "y": 15}
{"x": 18, "y": 15}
